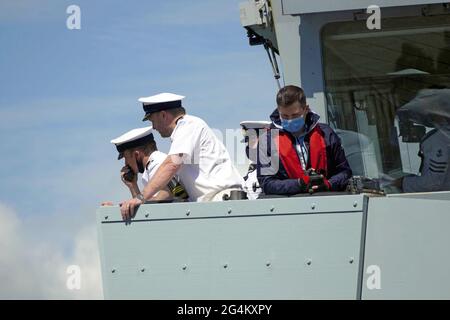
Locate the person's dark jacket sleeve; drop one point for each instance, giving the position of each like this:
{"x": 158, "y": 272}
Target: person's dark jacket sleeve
{"x": 280, "y": 186}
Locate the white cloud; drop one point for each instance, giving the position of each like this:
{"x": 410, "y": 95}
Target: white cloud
{"x": 37, "y": 269}
{"x": 67, "y": 139}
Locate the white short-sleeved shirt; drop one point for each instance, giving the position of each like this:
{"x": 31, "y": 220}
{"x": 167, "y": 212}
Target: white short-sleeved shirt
{"x": 154, "y": 161}
{"x": 207, "y": 168}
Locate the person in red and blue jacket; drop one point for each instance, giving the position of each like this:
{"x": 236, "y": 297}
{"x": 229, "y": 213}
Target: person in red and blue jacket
{"x": 302, "y": 145}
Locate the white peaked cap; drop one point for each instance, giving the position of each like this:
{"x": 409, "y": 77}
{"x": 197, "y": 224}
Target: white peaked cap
{"x": 161, "y": 98}
{"x": 255, "y": 124}
{"x": 159, "y": 102}
{"x": 133, "y": 138}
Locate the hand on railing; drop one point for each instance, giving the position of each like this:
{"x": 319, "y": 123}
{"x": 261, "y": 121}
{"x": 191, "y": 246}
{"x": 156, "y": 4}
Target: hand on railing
{"x": 128, "y": 208}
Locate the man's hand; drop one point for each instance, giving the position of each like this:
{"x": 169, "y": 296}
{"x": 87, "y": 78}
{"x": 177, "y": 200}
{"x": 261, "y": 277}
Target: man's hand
{"x": 303, "y": 185}
{"x": 321, "y": 184}
{"x": 128, "y": 208}
{"x": 127, "y": 172}
{"x": 315, "y": 183}
{"x": 398, "y": 183}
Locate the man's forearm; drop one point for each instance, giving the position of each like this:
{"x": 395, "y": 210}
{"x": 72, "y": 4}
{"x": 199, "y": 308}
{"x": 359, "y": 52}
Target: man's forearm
{"x": 163, "y": 194}
{"x": 134, "y": 190}
{"x": 161, "y": 178}
{"x": 273, "y": 185}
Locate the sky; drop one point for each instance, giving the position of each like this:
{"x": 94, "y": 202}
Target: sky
{"x": 64, "y": 94}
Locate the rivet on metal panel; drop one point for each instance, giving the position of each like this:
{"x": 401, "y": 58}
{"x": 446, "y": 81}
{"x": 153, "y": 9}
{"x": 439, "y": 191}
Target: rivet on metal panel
{"x": 313, "y": 206}
{"x": 184, "y": 267}
{"x": 229, "y": 210}
{"x": 106, "y": 217}
{"x": 351, "y": 260}
{"x": 268, "y": 264}
{"x": 308, "y": 262}
{"x": 355, "y": 204}
{"x": 225, "y": 266}
{"x": 188, "y": 212}
{"x": 113, "y": 270}
{"x": 272, "y": 208}
{"x": 142, "y": 269}
{"x": 146, "y": 215}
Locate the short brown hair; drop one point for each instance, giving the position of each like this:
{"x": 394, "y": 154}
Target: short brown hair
{"x": 290, "y": 94}
{"x": 147, "y": 148}
{"x": 176, "y": 111}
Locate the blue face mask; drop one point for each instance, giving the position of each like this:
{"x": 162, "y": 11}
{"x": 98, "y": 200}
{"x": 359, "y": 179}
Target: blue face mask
{"x": 293, "y": 125}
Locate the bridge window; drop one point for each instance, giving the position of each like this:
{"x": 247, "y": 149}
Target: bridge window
{"x": 369, "y": 75}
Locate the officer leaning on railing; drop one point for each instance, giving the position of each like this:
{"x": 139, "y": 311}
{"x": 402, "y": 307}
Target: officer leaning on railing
{"x": 200, "y": 160}
{"x": 141, "y": 156}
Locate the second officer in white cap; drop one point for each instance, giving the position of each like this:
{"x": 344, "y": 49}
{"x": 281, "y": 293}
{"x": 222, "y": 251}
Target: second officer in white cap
{"x": 138, "y": 148}
{"x": 196, "y": 155}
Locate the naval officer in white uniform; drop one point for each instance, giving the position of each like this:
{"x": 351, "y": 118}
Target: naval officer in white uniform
{"x": 139, "y": 150}
{"x": 198, "y": 157}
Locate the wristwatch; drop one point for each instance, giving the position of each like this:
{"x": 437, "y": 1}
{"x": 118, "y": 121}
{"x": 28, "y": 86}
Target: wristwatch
{"x": 140, "y": 196}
